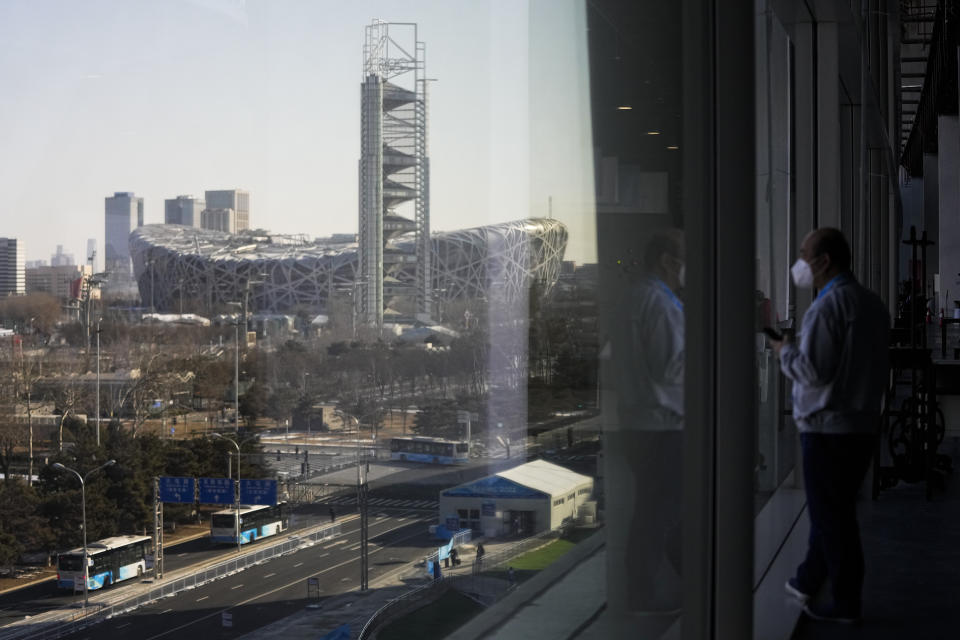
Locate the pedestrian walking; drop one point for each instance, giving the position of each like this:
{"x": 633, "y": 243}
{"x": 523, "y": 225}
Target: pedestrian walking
{"x": 333, "y": 515}
{"x": 511, "y": 576}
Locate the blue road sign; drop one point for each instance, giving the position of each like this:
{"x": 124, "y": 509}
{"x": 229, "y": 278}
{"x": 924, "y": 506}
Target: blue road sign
{"x": 216, "y": 490}
{"x": 173, "y": 489}
{"x": 258, "y": 491}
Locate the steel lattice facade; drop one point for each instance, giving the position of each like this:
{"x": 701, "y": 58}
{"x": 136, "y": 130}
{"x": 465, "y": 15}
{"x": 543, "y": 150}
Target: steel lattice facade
{"x": 283, "y": 273}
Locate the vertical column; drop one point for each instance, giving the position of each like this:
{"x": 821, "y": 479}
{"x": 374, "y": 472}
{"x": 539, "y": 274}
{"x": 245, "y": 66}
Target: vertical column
{"x": 850, "y": 175}
{"x": 828, "y": 125}
{"x": 948, "y": 177}
{"x": 371, "y": 202}
{"x": 805, "y": 150}
{"x": 931, "y": 215}
{"x": 735, "y": 413}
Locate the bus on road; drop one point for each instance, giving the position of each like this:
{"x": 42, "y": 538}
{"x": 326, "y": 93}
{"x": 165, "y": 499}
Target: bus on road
{"x": 255, "y": 522}
{"x": 110, "y": 560}
{"x": 433, "y": 450}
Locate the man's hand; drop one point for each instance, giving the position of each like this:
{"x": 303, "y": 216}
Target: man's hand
{"x": 776, "y": 345}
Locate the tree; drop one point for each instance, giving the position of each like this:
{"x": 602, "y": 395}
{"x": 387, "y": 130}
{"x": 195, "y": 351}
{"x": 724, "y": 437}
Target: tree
{"x": 253, "y": 403}
{"x": 439, "y": 420}
{"x": 35, "y": 312}
{"x": 281, "y": 404}
{"x": 10, "y": 549}
{"x": 66, "y": 398}
{"x": 18, "y": 504}
{"x": 13, "y": 436}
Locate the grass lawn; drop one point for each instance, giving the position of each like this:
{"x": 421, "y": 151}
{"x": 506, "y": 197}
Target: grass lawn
{"x": 436, "y": 620}
{"x": 528, "y": 564}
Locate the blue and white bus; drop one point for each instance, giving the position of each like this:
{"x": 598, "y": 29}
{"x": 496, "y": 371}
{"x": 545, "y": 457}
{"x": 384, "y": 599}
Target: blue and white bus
{"x": 433, "y": 450}
{"x": 256, "y": 522}
{"x": 110, "y": 560}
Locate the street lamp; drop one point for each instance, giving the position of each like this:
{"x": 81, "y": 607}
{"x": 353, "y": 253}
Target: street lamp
{"x": 236, "y": 371}
{"x": 362, "y": 495}
{"x": 83, "y": 503}
{"x": 98, "y": 382}
{"x": 236, "y": 493}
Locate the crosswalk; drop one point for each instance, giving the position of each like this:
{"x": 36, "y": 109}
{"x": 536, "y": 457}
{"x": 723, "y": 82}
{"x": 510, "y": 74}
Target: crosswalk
{"x": 383, "y": 502}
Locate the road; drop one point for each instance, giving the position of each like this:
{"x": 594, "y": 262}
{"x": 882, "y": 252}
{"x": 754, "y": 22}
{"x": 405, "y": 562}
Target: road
{"x": 45, "y": 596}
{"x": 268, "y": 592}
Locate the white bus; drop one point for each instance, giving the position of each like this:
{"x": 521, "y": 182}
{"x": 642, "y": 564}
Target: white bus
{"x": 110, "y": 560}
{"x": 255, "y": 522}
{"x": 432, "y": 450}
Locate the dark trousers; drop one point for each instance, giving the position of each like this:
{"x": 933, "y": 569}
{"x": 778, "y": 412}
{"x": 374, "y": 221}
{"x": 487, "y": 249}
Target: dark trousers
{"x": 656, "y": 458}
{"x": 834, "y": 467}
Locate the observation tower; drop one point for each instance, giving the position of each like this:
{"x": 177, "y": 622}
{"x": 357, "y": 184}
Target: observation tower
{"x": 394, "y": 174}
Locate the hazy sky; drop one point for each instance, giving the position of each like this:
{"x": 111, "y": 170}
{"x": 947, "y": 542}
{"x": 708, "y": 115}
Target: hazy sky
{"x": 174, "y": 97}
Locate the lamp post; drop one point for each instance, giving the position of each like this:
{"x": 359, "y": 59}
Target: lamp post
{"x": 236, "y": 493}
{"x": 98, "y": 383}
{"x": 236, "y": 371}
{"x": 83, "y": 503}
{"x": 361, "y": 506}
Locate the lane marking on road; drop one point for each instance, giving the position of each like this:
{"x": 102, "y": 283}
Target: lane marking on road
{"x": 121, "y": 626}
{"x": 167, "y": 611}
{"x": 269, "y": 575}
{"x": 202, "y": 599}
{"x": 236, "y": 587}
{"x": 299, "y": 564}
{"x": 324, "y": 555}
{"x": 297, "y": 582}
{"x": 180, "y": 555}
{"x": 330, "y": 546}
{"x": 354, "y": 548}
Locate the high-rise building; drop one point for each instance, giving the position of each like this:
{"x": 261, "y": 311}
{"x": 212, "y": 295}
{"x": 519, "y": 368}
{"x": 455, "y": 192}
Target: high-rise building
{"x": 61, "y": 259}
{"x": 219, "y": 220}
{"x": 183, "y": 210}
{"x": 394, "y": 172}
{"x": 236, "y": 199}
{"x": 13, "y": 257}
{"x": 124, "y": 213}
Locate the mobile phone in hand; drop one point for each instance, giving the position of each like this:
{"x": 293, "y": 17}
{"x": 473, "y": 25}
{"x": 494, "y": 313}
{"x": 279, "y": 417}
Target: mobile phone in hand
{"x": 773, "y": 334}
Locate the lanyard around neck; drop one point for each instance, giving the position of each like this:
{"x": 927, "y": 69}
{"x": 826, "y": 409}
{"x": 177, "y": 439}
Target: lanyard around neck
{"x": 670, "y": 294}
{"x": 829, "y": 285}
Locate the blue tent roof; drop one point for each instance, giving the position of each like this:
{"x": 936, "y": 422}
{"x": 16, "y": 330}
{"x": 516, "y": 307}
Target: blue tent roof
{"x": 494, "y": 487}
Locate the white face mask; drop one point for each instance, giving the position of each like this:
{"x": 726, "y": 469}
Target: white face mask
{"x": 802, "y": 274}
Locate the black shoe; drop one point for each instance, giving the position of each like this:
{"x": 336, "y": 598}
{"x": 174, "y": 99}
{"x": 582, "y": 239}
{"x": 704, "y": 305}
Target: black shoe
{"x": 792, "y": 587}
{"x": 830, "y": 614}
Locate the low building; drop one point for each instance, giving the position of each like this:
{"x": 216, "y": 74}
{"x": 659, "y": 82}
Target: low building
{"x": 527, "y": 499}
{"x": 219, "y": 220}
{"x": 59, "y": 281}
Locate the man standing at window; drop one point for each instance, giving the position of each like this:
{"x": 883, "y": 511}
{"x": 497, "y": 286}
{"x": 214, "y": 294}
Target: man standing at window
{"x": 839, "y": 368}
{"x": 647, "y": 443}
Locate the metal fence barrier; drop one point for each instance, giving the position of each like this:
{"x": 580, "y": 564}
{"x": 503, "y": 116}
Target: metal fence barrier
{"x": 64, "y": 622}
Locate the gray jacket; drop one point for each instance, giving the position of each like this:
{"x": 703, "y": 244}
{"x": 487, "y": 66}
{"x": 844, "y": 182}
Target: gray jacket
{"x": 840, "y": 365}
{"x": 650, "y": 374}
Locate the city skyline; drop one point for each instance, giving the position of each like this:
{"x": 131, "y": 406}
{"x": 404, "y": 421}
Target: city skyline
{"x": 266, "y": 98}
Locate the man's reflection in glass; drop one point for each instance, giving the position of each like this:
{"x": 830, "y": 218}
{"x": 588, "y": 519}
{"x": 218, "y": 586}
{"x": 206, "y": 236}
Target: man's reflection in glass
{"x": 646, "y": 448}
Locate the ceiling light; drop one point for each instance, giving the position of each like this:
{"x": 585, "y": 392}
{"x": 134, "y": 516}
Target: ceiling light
{"x": 673, "y": 147}
{"x": 624, "y": 107}
{"x": 653, "y": 133}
